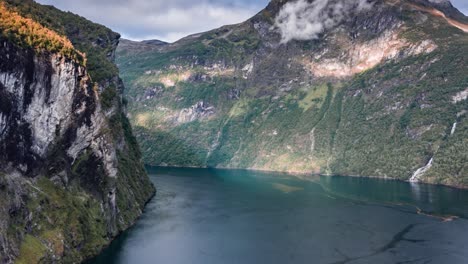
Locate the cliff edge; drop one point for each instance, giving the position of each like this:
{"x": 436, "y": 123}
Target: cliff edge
{"x": 71, "y": 176}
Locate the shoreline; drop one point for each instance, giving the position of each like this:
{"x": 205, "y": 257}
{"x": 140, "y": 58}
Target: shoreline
{"x": 303, "y": 173}
{"x": 133, "y": 223}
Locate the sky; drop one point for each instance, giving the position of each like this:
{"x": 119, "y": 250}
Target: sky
{"x": 169, "y": 20}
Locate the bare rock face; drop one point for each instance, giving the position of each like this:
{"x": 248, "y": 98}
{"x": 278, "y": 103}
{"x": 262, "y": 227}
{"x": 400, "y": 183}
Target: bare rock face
{"x": 71, "y": 178}
{"x": 197, "y": 111}
{"x": 54, "y": 101}
{"x": 43, "y": 103}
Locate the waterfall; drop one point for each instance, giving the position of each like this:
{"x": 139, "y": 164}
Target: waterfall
{"x": 420, "y": 172}
{"x": 312, "y": 141}
{"x": 453, "y": 128}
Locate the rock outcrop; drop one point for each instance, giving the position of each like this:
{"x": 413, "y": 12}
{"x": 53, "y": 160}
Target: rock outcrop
{"x": 71, "y": 178}
{"x": 198, "y": 111}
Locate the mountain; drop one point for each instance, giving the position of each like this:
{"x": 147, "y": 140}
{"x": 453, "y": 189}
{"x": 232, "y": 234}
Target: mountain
{"x": 362, "y": 88}
{"x": 71, "y": 176}
{"x": 146, "y": 45}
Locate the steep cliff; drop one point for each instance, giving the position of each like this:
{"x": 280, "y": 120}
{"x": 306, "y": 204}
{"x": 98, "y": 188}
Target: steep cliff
{"x": 71, "y": 176}
{"x": 369, "y": 88}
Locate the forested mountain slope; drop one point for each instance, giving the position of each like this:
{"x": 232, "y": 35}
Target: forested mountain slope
{"x": 374, "y": 88}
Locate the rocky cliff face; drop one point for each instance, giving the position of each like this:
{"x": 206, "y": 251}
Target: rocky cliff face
{"x": 335, "y": 87}
{"x": 71, "y": 178}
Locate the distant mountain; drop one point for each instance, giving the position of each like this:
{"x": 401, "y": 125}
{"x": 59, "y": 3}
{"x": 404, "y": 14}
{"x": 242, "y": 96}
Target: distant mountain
{"x": 136, "y": 46}
{"x": 71, "y": 177}
{"x": 154, "y": 42}
{"x": 362, "y": 88}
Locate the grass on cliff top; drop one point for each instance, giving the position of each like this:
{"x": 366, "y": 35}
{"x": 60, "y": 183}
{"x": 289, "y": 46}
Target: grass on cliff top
{"x": 95, "y": 40}
{"x": 27, "y": 33}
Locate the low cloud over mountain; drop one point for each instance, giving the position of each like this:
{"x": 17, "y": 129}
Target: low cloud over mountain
{"x": 303, "y": 20}
{"x": 171, "y": 20}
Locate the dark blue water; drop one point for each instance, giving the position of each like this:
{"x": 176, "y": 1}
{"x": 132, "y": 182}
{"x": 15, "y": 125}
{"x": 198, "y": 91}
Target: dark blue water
{"x": 220, "y": 216}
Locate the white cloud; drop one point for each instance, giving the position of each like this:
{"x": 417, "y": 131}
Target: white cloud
{"x": 174, "y": 19}
{"x": 165, "y": 20}
{"x": 303, "y": 20}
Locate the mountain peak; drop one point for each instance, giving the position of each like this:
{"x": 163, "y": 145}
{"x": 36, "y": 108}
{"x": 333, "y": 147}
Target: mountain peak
{"x": 443, "y": 5}
{"x": 306, "y": 19}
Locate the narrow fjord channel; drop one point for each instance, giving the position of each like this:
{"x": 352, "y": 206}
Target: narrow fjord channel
{"x": 202, "y": 216}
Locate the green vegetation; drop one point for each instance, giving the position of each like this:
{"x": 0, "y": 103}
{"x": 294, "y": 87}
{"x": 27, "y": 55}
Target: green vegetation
{"x": 313, "y": 97}
{"x": 94, "y": 40}
{"x": 133, "y": 184}
{"x": 28, "y": 33}
{"x": 61, "y": 215}
{"x": 108, "y": 96}
{"x": 387, "y": 121}
{"x": 32, "y": 251}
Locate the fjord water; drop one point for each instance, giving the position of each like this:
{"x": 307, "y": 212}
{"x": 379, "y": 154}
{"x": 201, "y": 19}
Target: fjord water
{"x": 203, "y": 216}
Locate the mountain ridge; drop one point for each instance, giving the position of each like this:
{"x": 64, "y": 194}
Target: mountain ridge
{"x": 370, "y": 94}
{"x": 445, "y": 7}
